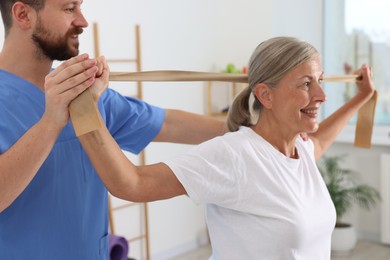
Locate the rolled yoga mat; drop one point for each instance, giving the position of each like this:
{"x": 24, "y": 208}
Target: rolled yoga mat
{"x": 118, "y": 247}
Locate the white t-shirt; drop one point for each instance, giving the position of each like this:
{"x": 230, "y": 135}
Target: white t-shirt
{"x": 259, "y": 203}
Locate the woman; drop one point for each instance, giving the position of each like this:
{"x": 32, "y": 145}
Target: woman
{"x": 264, "y": 196}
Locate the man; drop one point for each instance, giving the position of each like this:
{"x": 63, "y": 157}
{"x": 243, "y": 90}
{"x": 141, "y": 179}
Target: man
{"x": 52, "y": 203}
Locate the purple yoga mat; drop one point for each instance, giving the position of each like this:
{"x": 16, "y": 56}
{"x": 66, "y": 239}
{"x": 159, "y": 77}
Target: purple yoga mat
{"x": 118, "y": 247}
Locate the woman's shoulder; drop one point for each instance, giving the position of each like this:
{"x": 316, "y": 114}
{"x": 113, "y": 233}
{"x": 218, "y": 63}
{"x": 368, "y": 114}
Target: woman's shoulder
{"x": 305, "y": 146}
{"x": 231, "y": 142}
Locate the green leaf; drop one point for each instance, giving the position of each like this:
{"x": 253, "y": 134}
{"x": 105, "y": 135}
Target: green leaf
{"x": 343, "y": 186}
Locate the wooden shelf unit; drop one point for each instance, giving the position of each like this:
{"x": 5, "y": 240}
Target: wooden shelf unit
{"x": 235, "y": 89}
{"x": 139, "y": 95}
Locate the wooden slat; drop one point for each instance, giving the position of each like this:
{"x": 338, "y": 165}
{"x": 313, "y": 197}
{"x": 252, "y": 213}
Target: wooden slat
{"x": 85, "y": 118}
{"x": 182, "y": 75}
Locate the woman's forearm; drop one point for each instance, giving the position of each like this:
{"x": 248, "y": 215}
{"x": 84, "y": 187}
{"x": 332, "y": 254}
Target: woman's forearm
{"x": 122, "y": 178}
{"x": 113, "y": 167}
{"x": 332, "y": 126}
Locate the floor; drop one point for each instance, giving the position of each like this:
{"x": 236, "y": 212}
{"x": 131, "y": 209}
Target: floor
{"x": 364, "y": 250}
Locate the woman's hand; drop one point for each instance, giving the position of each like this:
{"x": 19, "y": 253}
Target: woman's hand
{"x": 364, "y": 81}
{"x": 101, "y": 78}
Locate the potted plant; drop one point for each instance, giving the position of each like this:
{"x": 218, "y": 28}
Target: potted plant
{"x": 345, "y": 191}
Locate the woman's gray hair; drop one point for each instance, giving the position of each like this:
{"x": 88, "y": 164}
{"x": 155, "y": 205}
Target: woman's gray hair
{"x": 269, "y": 63}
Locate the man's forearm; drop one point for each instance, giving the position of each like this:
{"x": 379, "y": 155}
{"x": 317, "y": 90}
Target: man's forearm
{"x": 20, "y": 163}
{"x": 189, "y": 128}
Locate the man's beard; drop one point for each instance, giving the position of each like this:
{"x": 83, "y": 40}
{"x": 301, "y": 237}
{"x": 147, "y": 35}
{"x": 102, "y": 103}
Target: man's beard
{"x": 55, "y": 49}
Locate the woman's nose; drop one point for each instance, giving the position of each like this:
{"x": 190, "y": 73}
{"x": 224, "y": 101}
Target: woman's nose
{"x": 319, "y": 93}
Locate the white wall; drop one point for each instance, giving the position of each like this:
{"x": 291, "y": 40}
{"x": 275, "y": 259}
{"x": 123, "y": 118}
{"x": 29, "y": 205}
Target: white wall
{"x": 204, "y": 35}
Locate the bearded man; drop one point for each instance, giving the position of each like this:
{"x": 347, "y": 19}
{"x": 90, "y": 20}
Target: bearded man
{"x": 53, "y": 205}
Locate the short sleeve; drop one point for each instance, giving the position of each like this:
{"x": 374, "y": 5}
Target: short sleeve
{"x": 207, "y": 172}
{"x": 132, "y": 122}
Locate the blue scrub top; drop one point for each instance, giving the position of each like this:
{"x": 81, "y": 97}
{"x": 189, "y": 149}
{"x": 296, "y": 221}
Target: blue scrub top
{"x": 62, "y": 214}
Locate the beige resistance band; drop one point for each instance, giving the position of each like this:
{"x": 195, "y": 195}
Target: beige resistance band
{"x": 84, "y": 114}
{"x": 365, "y": 123}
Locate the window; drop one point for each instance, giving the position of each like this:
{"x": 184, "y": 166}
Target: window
{"x": 358, "y": 32}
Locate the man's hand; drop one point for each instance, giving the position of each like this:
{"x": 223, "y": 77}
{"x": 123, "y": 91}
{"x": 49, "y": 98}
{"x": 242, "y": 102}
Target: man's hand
{"x": 64, "y": 84}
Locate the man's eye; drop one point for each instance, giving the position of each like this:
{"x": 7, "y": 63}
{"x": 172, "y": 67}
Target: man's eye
{"x": 306, "y": 84}
{"x": 320, "y": 81}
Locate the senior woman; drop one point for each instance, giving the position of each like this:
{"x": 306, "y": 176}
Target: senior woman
{"x": 264, "y": 196}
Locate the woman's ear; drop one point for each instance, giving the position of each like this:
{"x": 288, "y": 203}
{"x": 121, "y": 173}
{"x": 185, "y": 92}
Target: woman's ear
{"x": 264, "y": 94}
{"x": 22, "y": 14}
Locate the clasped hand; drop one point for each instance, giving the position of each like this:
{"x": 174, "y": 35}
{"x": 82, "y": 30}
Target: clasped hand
{"x": 70, "y": 79}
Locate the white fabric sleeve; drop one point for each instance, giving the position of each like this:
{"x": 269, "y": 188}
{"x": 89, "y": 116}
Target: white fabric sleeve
{"x": 208, "y": 173}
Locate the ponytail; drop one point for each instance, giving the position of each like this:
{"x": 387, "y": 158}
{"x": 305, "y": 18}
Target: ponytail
{"x": 239, "y": 113}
